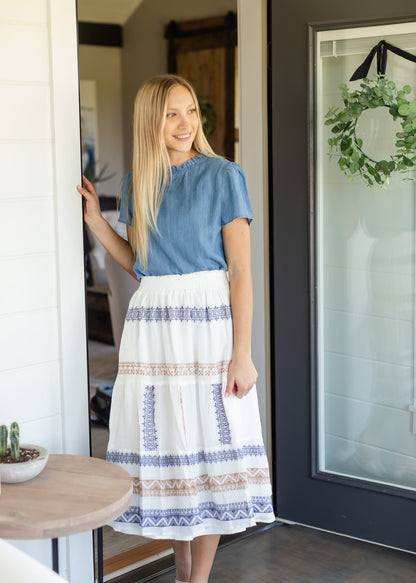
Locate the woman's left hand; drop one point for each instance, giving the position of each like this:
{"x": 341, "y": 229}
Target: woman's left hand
{"x": 242, "y": 376}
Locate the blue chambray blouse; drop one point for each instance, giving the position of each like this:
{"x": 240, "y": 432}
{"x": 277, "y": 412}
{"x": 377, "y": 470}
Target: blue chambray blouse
{"x": 204, "y": 195}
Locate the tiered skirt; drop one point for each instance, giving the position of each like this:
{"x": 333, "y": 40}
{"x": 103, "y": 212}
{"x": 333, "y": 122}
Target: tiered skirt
{"x": 196, "y": 458}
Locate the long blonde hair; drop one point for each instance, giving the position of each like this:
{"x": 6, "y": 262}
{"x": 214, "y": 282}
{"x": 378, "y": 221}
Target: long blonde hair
{"x": 151, "y": 163}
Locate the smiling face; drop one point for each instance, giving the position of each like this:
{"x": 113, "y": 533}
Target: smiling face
{"x": 180, "y": 126}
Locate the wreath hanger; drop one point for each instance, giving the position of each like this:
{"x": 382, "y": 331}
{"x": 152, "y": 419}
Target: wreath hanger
{"x": 381, "y": 50}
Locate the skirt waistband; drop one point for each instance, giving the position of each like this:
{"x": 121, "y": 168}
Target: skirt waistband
{"x": 195, "y": 280}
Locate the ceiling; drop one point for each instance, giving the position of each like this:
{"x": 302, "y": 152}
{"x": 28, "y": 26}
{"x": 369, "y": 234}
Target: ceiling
{"x": 108, "y": 11}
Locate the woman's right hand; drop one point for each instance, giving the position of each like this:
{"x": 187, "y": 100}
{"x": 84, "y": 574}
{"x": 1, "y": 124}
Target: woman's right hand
{"x": 118, "y": 247}
{"x": 92, "y": 211}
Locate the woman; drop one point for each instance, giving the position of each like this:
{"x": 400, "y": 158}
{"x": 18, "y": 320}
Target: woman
{"x": 184, "y": 419}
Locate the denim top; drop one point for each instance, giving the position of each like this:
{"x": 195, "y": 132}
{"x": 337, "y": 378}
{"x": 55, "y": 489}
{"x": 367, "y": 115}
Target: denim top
{"x": 204, "y": 195}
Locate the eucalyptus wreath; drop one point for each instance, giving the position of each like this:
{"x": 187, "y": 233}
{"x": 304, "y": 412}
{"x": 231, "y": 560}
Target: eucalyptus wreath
{"x": 352, "y": 159}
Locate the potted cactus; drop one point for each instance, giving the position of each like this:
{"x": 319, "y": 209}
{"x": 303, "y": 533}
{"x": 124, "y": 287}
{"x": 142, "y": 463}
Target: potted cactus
{"x": 19, "y": 462}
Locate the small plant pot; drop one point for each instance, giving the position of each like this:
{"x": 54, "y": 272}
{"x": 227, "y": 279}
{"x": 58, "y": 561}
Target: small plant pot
{"x": 11, "y": 473}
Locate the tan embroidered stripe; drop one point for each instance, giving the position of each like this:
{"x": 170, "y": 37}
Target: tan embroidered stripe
{"x": 191, "y": 486}
{"x": 165, "y": 369}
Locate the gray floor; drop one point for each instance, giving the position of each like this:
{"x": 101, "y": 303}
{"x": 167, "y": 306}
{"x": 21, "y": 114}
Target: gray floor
{"x": 295, "y": 554}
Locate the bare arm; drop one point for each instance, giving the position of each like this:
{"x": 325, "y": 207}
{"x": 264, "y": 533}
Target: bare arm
{"x": 241, "y": 374}
{"x": 119, "y": 248}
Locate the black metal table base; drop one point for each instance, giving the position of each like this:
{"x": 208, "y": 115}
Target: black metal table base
{"x": 100, "y": 556}
{"x": 55, "y": 555}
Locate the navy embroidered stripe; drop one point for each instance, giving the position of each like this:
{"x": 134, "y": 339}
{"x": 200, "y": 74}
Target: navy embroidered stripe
{"x": 224, "y": 433}
{"x": 182, "y": 313}
{"x": 186, "y": 459}
{"x": 149, "y": 428}
{"x": 196, "y": 515}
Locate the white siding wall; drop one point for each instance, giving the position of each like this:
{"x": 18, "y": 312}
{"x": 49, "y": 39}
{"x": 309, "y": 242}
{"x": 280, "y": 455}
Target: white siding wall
{"x": 43, "y": 382}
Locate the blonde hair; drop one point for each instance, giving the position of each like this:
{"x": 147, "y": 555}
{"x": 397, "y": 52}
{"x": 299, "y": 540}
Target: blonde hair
{"x": 151, "y": 163}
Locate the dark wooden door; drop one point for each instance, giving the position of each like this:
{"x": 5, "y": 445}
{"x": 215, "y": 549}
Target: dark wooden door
{"x": 368, "y": 509}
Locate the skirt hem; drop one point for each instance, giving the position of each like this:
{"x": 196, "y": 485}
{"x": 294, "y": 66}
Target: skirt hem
{"x": 183, "y": 533}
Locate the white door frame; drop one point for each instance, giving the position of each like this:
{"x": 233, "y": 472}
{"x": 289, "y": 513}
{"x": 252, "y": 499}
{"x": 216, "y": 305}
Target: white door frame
{"x": 252, "y": 52}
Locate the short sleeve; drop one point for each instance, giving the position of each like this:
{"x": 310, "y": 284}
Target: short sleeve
{"x": 126, "y": 213}
{"x": 236, "y": 202}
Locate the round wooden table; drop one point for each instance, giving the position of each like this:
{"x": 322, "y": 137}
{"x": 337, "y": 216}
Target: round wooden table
{"x": 71, "y": 495}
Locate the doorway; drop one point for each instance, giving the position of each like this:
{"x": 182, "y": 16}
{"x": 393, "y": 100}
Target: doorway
{"x": 251, "y": 54}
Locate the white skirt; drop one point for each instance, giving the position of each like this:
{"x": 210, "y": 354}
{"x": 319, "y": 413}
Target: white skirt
{"x": 197, "y": 459}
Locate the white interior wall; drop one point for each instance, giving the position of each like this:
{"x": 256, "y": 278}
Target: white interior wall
{"x": 43, "y": 376}
{"x": 103, "y": 65}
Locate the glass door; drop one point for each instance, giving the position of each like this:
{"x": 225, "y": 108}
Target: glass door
{"x": 365, "y": 269}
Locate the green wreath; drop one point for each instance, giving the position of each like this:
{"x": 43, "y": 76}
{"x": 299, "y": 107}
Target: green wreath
{"x": 352, "y": 159}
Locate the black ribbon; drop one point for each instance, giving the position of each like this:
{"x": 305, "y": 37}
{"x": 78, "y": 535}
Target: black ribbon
{"x": 381, "y": 51}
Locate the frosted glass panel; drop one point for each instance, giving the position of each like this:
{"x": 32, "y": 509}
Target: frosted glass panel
{"x": 365, "y": 270}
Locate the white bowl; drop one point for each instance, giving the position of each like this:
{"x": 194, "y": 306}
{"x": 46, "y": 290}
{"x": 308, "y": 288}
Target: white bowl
{"x": 23, "y": 471}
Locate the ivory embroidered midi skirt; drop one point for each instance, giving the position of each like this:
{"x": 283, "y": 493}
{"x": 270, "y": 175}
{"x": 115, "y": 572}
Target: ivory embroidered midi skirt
{"x": 196, "y": 458}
